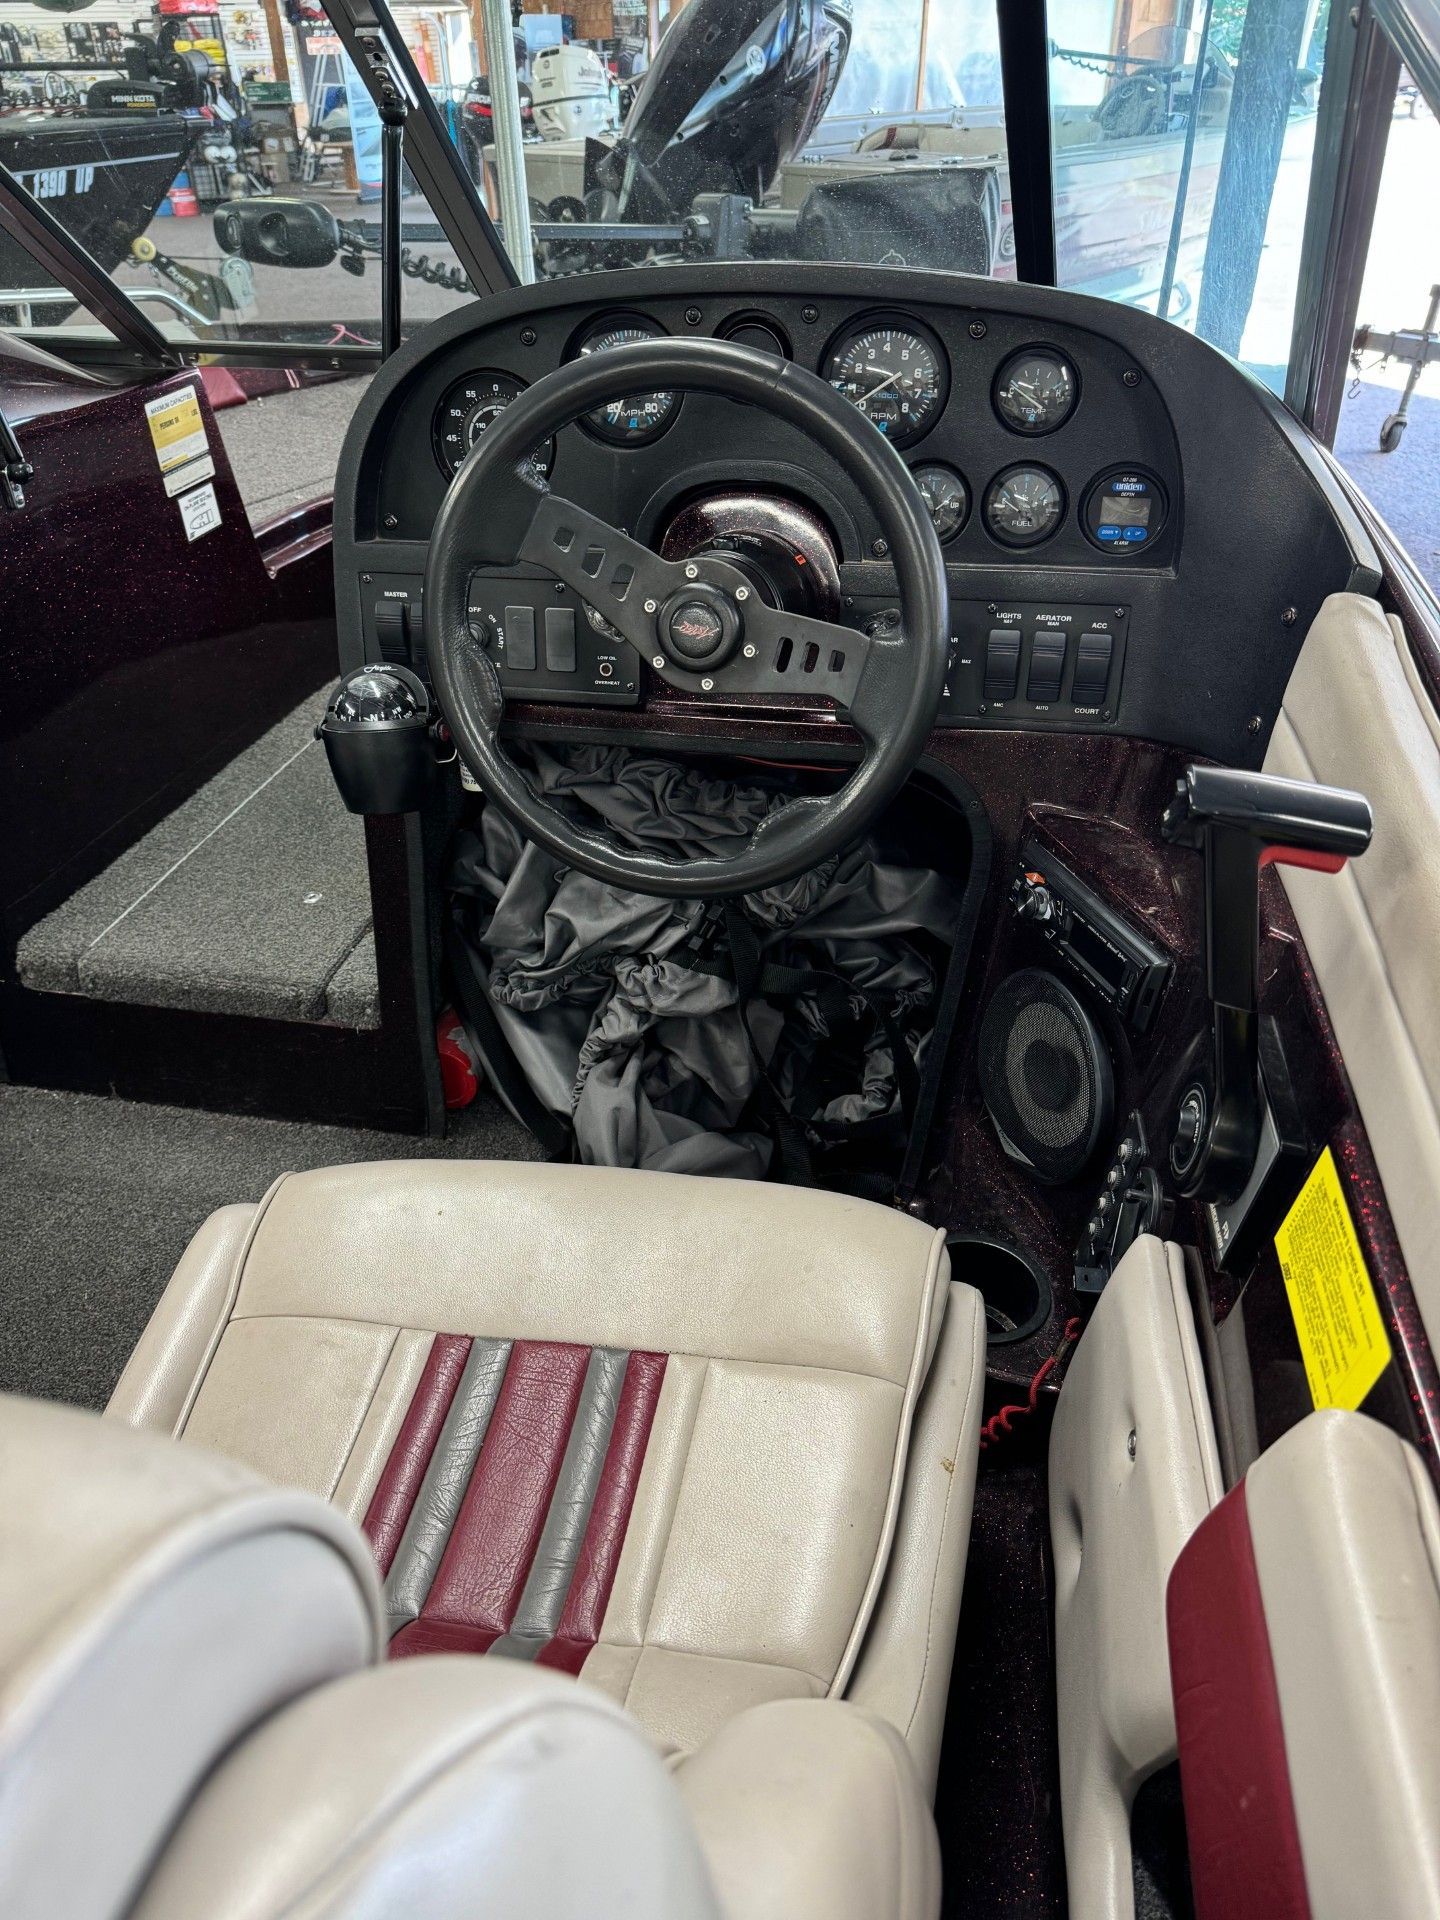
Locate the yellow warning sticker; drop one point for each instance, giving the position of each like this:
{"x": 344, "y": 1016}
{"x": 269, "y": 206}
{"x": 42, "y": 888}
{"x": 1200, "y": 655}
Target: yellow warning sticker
{"x": 1342, "y": 1336}
{"x": 177, "y": 431}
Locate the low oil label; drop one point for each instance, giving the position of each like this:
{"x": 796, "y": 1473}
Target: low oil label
{"x": 1342, "y": 1336}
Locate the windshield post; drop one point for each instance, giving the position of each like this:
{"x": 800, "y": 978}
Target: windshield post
{"x": 509, "y": 137}
{"x": 1025, "y": 78}
{"x": 392, "y": 165}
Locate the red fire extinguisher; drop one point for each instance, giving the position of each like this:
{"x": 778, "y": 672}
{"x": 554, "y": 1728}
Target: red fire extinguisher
{"x": 459, "y": 1064}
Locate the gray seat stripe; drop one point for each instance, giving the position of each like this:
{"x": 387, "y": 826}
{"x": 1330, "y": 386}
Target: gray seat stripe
{"x": 543, "y": 1600}
{"x": 443, "y": 1489}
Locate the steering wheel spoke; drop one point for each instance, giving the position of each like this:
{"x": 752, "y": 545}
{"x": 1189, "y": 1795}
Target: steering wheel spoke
{"x": 794, "y": 653}
{"x": 615, "y": 574}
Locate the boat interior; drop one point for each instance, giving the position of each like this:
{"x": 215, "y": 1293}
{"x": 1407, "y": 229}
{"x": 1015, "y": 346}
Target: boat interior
{"x": 720, "y": 1085}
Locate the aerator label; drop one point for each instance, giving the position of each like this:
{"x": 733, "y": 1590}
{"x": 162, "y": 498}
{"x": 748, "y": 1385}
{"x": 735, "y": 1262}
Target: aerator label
{"x": 1342, "y": 1336}
{"x": 177, "y": 430}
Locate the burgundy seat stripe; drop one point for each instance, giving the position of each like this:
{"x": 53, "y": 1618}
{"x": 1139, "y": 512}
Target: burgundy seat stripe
{"x": 399, "y": 1483}
{"x": 599, "y": 1556}
{"x": 482, "y": 1572}
{"x": 440, "y": 1636}
{"x": 1245, "y": 1860}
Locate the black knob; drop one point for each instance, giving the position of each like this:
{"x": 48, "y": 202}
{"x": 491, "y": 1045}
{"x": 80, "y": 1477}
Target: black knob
{"x": 1189, "y": 1132}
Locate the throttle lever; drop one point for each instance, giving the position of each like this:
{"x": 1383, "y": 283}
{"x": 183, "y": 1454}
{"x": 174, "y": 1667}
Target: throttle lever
{"x": 1243, "y": 822}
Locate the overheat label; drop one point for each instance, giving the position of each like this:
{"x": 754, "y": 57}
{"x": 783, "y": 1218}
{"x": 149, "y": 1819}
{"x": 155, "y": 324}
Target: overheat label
{"x": 177, "y": 432}
{"x": 1342, "y": 1335}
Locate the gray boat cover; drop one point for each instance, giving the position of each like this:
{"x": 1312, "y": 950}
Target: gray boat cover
{"x": 609, "y": 1001}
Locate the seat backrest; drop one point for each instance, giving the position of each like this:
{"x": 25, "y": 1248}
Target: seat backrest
{"x": 1304, "y": 1630}
{"x": 156, "y": 1604}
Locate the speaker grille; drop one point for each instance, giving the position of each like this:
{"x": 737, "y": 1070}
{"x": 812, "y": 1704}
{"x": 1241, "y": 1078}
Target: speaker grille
{"x": 1044, "y": 1073}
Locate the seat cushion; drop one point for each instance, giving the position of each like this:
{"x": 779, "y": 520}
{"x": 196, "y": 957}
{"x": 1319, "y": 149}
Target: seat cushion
{"x": 640, "y": 1427}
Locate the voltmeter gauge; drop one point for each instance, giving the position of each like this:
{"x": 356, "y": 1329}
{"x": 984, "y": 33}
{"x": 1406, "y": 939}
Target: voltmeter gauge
{"x": 946, "y": 497}
{"x": 635, "y": 418}
{"x": 1023, "y": 506}
{"x": 1035, "y": 390}
{"x": 468, "y": 408}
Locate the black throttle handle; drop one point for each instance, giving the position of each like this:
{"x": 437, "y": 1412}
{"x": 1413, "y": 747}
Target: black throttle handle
{"x": 1243, "y": 822}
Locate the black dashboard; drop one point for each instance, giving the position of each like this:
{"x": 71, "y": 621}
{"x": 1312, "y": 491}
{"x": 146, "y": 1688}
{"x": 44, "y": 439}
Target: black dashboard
{"x": 1135, "y": 535}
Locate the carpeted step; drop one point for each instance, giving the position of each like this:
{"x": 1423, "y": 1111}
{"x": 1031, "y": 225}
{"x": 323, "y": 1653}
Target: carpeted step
{"x": 252, "y": 898}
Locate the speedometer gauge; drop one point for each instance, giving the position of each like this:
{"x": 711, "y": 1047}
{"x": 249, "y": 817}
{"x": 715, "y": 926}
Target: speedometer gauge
{"x": 637, "y": 417}
{"x": 894, "y": 372}
{"x": 1023, "y": 506}
{"x": 468, "y": 408}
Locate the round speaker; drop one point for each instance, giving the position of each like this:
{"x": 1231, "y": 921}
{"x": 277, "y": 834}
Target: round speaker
{"x": 1045, "y": 1075}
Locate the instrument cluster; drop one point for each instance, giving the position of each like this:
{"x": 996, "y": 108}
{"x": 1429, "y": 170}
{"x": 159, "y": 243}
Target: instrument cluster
{"x": 896, "y": 371}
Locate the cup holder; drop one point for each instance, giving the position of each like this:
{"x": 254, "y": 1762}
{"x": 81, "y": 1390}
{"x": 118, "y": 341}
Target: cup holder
{"x": 1015, "y": 1290}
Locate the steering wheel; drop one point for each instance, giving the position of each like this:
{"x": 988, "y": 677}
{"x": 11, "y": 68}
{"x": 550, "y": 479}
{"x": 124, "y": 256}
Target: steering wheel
{"x": 701, "y": 624}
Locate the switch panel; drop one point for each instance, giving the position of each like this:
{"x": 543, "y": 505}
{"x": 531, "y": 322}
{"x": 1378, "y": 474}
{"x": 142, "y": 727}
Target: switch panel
{"x": 1029, "y": 663}
{"x": 545, "y": 642}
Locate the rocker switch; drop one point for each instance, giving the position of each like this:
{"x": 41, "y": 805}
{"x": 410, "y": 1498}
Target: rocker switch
{"x": 1092, "y": 670}
{"x": 560, "y": 639}
{"x": 1047, "y": 667}
{"x": 520, "y": 639}
{"x": 1002, "y": 663}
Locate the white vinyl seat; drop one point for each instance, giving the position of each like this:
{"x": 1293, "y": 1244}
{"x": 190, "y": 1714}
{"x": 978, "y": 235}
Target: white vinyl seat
{"x": 196, "y": 1717}
{"x": 707, "y": 1447}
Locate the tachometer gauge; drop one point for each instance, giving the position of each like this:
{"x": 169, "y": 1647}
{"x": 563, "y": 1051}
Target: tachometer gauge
{"x": 946, "y": 497}
{"x": 1036, "y": 390}
{"x": 468, "y": 408}
{"x": 1023, "y": 506}
{"x": 895, "y": 374}
{"x": 638, "y": 417}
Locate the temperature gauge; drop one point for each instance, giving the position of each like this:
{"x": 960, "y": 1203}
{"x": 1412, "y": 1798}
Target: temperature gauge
{"x": 1036, "y": 390}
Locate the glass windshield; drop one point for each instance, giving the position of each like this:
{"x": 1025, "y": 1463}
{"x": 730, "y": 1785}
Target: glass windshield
{"x": 1182, "y": 161}
{"x": 221, "y": 164}
{"x": 859, "y": 130}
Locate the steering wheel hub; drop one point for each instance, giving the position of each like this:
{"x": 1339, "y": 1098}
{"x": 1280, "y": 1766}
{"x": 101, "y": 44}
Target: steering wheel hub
{"x": 700, "y": 626}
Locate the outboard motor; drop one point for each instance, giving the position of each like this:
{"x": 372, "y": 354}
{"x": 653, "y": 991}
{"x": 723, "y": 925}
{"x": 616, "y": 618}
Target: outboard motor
{"x": 737, "y": 87}
{"x": 572, "y": 94}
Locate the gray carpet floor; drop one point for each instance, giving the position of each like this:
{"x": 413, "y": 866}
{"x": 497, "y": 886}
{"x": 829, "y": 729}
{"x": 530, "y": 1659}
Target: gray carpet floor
{"x": 98, "y": 1198}
{"x": 251, "y": 898}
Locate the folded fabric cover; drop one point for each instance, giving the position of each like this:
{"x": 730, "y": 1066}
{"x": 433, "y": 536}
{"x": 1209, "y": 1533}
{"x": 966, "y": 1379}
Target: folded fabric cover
{"x": 623, "y": 1011}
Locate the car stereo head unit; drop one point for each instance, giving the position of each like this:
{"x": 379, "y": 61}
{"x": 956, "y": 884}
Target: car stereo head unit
{"x": 1088, "y": 938}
